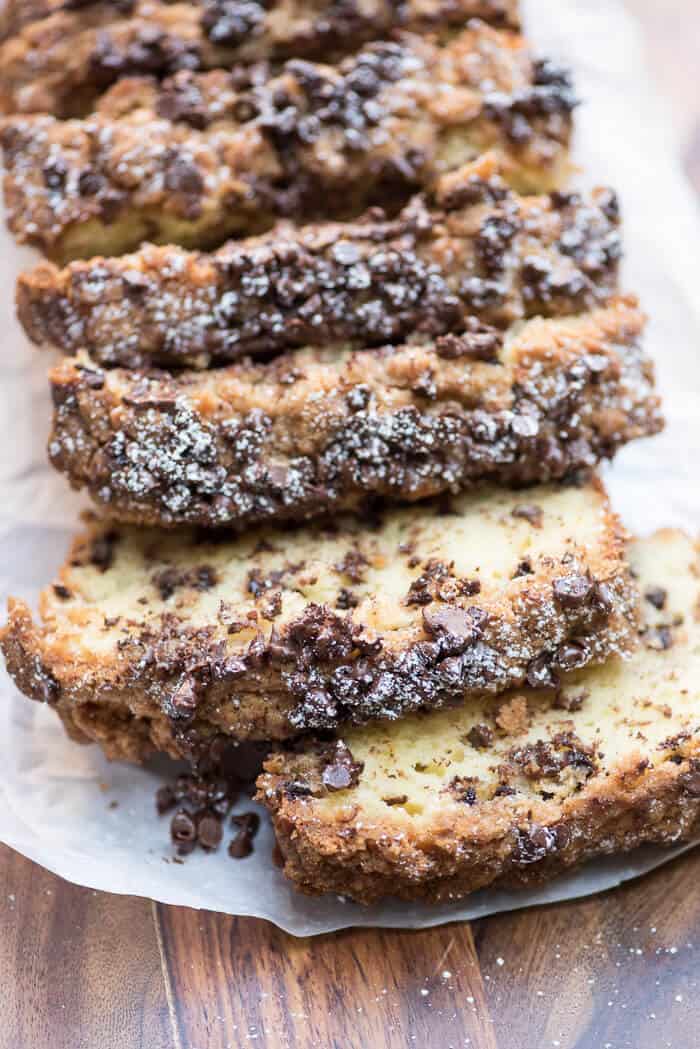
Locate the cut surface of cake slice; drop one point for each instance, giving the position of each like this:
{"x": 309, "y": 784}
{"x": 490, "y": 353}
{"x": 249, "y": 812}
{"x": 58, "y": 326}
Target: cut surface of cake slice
{"x": 320, "y": 431}
{"x": 473, "y": 249}
{"x": 198, "y": 157}
{"x": 155, "y": 639}
{"x": 61, "y": 57}
{"x": 516, "y": 790}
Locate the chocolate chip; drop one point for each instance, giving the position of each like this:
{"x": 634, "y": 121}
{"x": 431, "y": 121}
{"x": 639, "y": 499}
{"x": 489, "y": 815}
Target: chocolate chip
{"x": 342, "y": 771}
{"x": 656, "y": 596}
{"x": 165, "y": 799}
{"x": 90, "y": 183}
{"x": 691, "y": 780}
{"x": 55, "y": 173}
{"x": 572, "y": 591}
{"x": 209, "y": 830}
{"x": 242, "y": 845}
{"x": 337, "y": 777}
{"x": 184, "y": 698}
{"x": 183, "y": 176}
{"x": 540, "y": 673}
{"x": 183, "y": 832}
{"x": 358, "y": 398}
{"x": 480, "y": 736}
{"x": 62, "y": 592}
{"x": 463, "y": 791}
{"x": 534, "y": 844}
{"x": 395, "y": 799}
{"x": 529, "y": 512}
{"x": 297, "y": 789}
{"x": 482, "y": 344}
{"x": 346, "y": 600}
{"x": 571, "y": 654}
{"x": 448, "y": 619}
{"x": 102, "y": 550}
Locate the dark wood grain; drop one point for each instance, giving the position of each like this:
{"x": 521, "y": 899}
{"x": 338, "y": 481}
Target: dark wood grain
{"x": 78, "y": 969}
{"x": 84, "y": 970}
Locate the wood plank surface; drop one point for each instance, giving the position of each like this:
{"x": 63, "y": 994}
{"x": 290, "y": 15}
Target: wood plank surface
{"x": 84, "y": 970}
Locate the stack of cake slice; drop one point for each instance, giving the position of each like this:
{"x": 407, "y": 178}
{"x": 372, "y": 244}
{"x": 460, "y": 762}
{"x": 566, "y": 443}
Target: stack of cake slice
{"x": 463, "y": 668}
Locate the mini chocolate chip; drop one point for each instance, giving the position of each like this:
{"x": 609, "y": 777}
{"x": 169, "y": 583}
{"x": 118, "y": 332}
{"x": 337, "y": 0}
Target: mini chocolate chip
{"x": 479, "y": 344}
{"x": 529, "y": 512}
{"x": 358, "y": 398}
{"x": 337, "y": 777}
{"x": 603, "y": 598}
{"x": 55, "y": 173}
{"x": 691, "y": 780}
{"x": 90, "y": 183}
{"x": 342, "y": 771}
{"x": 242, "y": 845}
{"x": 540, "y": 673}
{"x": 61, "y": 591}
{"x": 448, "y": 619}
{"x": 184, "y": 698}
{"x": 102, "y": 550}
{"x": 395, "y": 799}
{"x": 534, "y": 844}
{"x": 183, "y": 832}
{"x": 656, "y": 596}
{"x": 571, "y": 654}
{"x": 572, "y": 591}
{"x": 209, "y": 830}
{"x": 165, "y": 799}
{"x": 480, "y": 736}
{"x": 183, "y": 176}
{"x": 297, "y": 789}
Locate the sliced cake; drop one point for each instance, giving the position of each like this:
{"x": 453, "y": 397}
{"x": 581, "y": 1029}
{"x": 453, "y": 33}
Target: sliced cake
{"x": 315, "y": 431}
{"x": 473, "y": 249}
{"x": 514, "y": 790}
{"x": 201, "y": 157}
{"x": 61, "y": 56}
{"x": 152, "y": 640}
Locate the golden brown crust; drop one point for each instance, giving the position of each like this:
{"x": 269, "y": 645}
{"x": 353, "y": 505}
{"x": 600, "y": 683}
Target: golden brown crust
{"x": 318, "y": 431}
{"x": 476, "y": 250}
{"x": 62, "y": 56}
{"x": 612, "y": 764}
{"x": 268, "y": 635}
{"x": 197, "y": 158}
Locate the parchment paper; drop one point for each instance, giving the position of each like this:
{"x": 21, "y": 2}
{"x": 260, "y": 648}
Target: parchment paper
{"x": 54, "y": 796}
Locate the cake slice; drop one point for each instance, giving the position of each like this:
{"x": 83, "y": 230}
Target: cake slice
{"x": 512, "y": 791}
{"x": 61, "y": 56}
{"x": 473, "y": 249}
{"x": 155, "y": 640}
{"x": 200, "y": 157}
{"x": 319, "y": 431}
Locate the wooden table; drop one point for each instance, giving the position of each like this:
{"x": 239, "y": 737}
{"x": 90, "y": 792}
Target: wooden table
{"x": 84, "y": 970}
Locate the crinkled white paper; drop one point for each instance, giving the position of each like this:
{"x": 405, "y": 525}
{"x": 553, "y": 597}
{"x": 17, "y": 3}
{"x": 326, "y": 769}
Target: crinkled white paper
{"x": 55, "y": 796}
